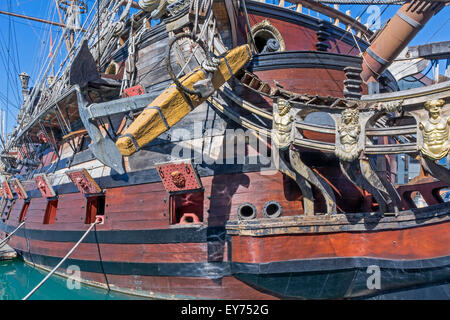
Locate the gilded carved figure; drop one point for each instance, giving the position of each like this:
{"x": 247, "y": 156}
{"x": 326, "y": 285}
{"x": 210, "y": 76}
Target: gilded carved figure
{"x": 282, "y": 125}
{"x": 435, "y": 131}
{"x": 348, "y": 133}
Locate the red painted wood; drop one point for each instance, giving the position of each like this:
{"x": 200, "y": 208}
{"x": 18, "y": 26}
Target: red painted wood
{"x": 423, "y": 242}
{"x": 50, "y": 212}
{"x": 296, "y": 37}
{"x": 313, "y": 81}
{"x": 14, "y": 216}
{"x": 137, "y": 253}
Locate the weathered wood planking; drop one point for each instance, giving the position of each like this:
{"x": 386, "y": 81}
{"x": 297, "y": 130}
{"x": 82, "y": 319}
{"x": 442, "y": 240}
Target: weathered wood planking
{"x": 414, "y": 243}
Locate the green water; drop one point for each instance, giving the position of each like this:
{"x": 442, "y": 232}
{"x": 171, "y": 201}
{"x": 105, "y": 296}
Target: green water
{"x": 17, "y": 279}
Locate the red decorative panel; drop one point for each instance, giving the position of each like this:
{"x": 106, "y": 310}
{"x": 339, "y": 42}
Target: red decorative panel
{"x": 83, "y": 181}
{"x": 133, "y": 91}
{"x": 179, "y": 177}
{"x": 44, "y": 137}
{"x": 44, "y": 186}
{"x": 7, "y": 190}
{"x": 20, "y": 190}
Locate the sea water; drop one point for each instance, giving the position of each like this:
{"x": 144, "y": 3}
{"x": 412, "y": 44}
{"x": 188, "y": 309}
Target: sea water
{"x": 17, "y": 279}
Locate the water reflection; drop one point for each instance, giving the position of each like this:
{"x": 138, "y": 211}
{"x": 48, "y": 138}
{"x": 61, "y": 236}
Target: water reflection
{"x": 18, "y": 278}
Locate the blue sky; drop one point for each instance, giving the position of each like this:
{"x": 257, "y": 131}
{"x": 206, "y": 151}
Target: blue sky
{"x": 24, "y": 45}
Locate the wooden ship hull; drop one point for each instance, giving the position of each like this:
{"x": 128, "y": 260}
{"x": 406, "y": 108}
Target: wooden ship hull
{"x": 235, "y": 228}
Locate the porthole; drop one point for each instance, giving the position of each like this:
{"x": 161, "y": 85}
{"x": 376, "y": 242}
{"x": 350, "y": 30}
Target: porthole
{"x": 272, "y": 209}
{"x": 247, "y": 211}
{"x": 267, "y": 38}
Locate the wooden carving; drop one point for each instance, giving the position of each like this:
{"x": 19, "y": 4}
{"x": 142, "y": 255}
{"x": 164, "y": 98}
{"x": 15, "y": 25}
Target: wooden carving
{"x": 435, "y": 131}
{"x": 179, "y": 177}
{"x": 7, "y": 190}
{"x": 348, "y": 131}
{"x": 44, "y": 186}
{"x": 18, "y": 187}
{"x": 133, "y": 91}
{"x": 282, "y": 124}
{"x": 84, "y": 182}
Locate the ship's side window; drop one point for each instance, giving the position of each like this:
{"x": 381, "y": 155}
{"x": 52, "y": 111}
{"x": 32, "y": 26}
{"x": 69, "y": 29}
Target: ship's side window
{"x": 186, "y": 208}
{"x": 50, "y": 211}
{"x": 24, "y": 210}
{"x": 95, "y": 206}
{"x": 267, "y": 38}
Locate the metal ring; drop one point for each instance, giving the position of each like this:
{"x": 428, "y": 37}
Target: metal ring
{"x": 269, "y": 210}
{"x": 246, "y": 211}
{"x": 169, "y": 66}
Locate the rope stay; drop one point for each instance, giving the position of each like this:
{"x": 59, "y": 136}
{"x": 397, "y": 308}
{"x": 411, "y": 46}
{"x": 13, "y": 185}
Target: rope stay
{"x": 62, "y": 260}
{"x": 10, "y": 235}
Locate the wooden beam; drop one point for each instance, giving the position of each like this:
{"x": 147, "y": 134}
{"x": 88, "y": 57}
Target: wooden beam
{"x": 35, "y": 19}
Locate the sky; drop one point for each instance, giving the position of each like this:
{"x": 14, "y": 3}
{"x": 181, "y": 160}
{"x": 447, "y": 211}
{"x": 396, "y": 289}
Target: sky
{"x": 25, "y": 45}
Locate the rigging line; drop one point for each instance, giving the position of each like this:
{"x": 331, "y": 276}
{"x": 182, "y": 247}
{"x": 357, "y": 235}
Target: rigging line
{"x": 28, "y": 22}
{"x": 413, "y": 64}
{"x": 74, "y": 46}
{"x": 2, "y": 97}
{"x": 45, "y": 35}
{"x": 8, "y": 65}
{"x": 5, "y": 53}
{"x": 17, "y": 49}
{"x": 47, "y": 67}
{"x": 354, "y": 22}
{"x": 387, "y": 6}
{"x": 418, "y": 79}
{"x": 61, "y": 262}
{"x": 46, "y": 30}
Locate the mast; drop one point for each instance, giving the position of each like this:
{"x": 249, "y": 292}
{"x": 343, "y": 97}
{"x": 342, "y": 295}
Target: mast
{"x": 395, "y": 36}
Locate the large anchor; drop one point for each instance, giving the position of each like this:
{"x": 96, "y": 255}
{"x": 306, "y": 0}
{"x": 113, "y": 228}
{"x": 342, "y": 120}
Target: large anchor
{"x": 161, "y": 111}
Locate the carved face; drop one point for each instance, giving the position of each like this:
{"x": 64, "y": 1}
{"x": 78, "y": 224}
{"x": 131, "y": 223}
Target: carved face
{"x": 178, "y": 179}
{"x": 349, "y": 116}
{"x": 434, "y": 107}
{"x": 283, "y": 107}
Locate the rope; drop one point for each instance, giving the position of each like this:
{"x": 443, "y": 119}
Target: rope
{"x": 200, "y": 36}
{"x": 362, "y": 56}
{"x": 423, "y": 75}
{"x": 9, "y": 236}
{"x": 247, "y": 21}
{"x": 61, "y": 262}
{"x": 211, "y": 65}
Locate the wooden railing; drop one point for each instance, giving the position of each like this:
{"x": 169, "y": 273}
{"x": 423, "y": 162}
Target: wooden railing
{"x": 337, "y": 17}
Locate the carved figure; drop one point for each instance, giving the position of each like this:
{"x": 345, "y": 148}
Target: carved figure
{"x": 282, "y": 125}
{"x": 435, "y": 131}
{"x": 348, "y": 133}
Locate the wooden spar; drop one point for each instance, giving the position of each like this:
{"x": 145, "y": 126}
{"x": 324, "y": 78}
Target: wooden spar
{"x": 62, "y": 25}
{"x": 172, "y": 105}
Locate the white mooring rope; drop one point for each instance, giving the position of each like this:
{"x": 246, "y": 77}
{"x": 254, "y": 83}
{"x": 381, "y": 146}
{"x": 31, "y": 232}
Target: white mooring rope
{"x": 9, "y": 236}
{"x": 61, "y": 262}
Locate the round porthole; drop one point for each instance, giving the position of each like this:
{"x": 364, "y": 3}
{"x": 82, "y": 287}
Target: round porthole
{"x": 247, "y": 211}
{"x": 267, "y": 38}
{"x": 272, "y": 209}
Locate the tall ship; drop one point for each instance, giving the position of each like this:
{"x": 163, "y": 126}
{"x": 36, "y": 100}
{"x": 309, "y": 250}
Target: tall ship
{"x": 235, "y": 149}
